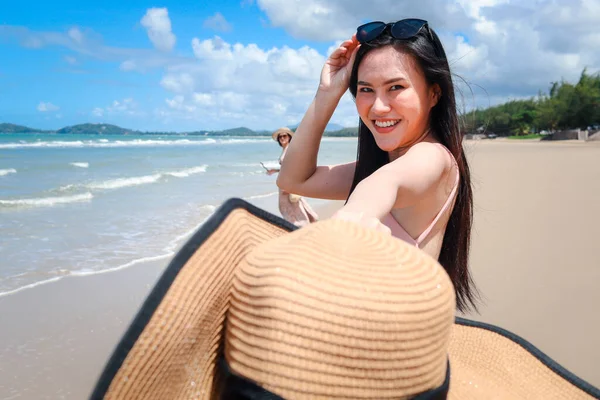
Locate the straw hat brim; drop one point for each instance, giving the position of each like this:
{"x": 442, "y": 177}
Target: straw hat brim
{"x": 282, "y": 131}
{"x": 492, "y": 363}
{"x": 172, "y": 348}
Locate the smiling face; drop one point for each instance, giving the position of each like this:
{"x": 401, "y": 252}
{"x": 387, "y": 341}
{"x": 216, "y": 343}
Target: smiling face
{"x": 393, "y": 98}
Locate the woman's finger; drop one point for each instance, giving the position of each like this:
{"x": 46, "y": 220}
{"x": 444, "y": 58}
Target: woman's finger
{"x": 345, "y": 45}
{"x": 340, "y": 51}
{"x": 351, "y": 55}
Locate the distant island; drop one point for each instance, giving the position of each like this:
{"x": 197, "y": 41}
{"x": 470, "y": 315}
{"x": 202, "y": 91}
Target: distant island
{"x": 108, "y": 129}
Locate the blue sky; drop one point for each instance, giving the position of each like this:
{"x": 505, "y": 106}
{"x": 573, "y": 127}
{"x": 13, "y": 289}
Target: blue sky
{"x": 175, "y": 66}
{"x": 79, "y": 83}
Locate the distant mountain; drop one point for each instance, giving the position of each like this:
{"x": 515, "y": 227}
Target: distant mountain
{"x": 331, "y": 127}
{"x": 12, "y": 128}
{"x": 344, "y": 132}
{"x": 108, "y": 129}
{"x": 242, "y": 131}
{"x": 97, "y": 129}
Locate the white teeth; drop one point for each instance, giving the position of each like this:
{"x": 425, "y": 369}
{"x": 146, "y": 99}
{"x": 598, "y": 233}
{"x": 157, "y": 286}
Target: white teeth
{"x": 385, "y": 124}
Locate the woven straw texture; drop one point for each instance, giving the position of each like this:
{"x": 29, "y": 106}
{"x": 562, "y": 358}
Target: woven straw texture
{"x": 327, "y": 311}
{"x": 337, "y": 311}
{"x": 487, "y": 365}
{"x": 174, "y": 358}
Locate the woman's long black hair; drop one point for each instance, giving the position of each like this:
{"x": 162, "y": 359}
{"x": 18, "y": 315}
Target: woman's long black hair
{"x": 427, "y": 51}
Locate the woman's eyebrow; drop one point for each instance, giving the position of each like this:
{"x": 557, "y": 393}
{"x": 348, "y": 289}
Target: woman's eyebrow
{"x": 363, "y": 83}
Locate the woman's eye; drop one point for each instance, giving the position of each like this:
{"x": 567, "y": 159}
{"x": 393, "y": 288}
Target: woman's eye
{"x": 365, "y": 89}
{"x": 397, "y": 87}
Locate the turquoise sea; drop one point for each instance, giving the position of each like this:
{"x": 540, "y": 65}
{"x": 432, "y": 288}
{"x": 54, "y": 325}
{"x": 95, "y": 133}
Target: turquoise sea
{"x": 87, "y": 204}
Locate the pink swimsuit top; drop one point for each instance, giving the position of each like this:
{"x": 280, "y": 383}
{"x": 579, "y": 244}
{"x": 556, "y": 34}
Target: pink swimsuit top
{"x": 399, "y": 232}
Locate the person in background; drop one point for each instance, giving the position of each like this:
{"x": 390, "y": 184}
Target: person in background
{"x": 292, "y": 207}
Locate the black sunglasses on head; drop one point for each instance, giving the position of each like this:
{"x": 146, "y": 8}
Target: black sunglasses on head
{"x": 403, "y": 29}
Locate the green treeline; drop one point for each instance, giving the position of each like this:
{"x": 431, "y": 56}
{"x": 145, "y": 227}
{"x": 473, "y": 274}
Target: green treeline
{"x": 565, "y": 106}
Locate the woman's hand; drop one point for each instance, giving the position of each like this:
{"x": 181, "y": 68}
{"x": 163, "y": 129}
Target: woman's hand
{"x": 335, "y": 75}
{"x": 363, "y": 220}
{"x": 272, "y": 171}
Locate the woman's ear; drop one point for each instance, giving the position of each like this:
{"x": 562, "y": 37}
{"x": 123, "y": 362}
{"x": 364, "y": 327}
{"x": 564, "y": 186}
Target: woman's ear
{"x": 435, "y": 93}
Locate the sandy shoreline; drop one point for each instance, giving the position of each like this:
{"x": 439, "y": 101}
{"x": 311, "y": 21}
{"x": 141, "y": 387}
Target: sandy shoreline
{"x": 534, "y": 258}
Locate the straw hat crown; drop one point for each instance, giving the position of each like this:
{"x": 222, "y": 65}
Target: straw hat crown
{"x": 338, "y": 311}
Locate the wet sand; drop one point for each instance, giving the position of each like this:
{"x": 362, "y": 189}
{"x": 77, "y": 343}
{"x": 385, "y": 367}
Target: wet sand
{"x": 534, "y": 258}
{"x": 56, "y": 337}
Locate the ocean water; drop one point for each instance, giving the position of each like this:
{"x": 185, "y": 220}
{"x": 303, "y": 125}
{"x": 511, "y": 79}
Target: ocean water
{"x": 83, "y": 204}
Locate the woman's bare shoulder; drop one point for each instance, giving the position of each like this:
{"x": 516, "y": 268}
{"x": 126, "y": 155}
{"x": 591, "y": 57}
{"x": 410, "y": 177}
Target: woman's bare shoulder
{"x": 424, "y": 157}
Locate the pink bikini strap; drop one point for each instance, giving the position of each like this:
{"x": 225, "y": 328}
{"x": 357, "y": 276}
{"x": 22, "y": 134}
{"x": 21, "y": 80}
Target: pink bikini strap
{"x": 446, "y": 204}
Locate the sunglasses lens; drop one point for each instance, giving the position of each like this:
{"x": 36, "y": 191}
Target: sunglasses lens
{"x": 407, "y": 28}
{"x": 370, "y": 31}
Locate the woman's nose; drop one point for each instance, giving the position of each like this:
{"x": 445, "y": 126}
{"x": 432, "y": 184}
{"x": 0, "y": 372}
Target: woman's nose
{"x": 380, "y": 105}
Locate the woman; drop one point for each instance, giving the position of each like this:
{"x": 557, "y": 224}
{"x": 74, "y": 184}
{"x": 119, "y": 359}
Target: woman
{"x": 411, "y": 177}
{"x": 291, "y": 206}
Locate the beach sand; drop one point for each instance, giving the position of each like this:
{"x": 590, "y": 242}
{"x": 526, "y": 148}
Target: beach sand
{"x": 57, "y": 337}
{"x": 534, "y": 259}
{"x": 534, "y": 249}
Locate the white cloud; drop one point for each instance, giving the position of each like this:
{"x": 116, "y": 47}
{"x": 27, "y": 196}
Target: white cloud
{"x": 519, "y": 49}
{"x": 217, "y": 22}
{"x": 128, "y": 65}
{"x": 215, "y": 49}
{"x": 178, "y": 103}
{"x": 242, "y": 84}
{"x": 510, "y": 49}
{"x": 310, "y": 19}
{"x": 158, "y": 25}
{"x": 203, "y": 99}
{"x": 178, "y": 82}
{"x": 329, "y": 20}
{"x": 91, "y": 45}
{"x": 76, "y": 35}
{"x": 127, "y": 106}
{"x": 47, "y": 107}
{"x": 71, "y": 60}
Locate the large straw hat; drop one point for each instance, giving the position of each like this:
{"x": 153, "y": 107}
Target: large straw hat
{"x": 253, "y": 308}
{"x": 281, "y": 131}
